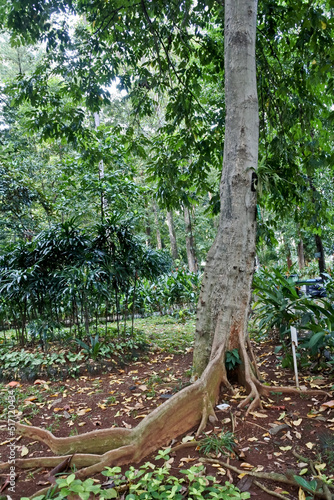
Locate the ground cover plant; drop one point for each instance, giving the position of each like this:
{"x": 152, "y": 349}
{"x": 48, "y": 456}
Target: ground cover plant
{"x": 291, "y": 432}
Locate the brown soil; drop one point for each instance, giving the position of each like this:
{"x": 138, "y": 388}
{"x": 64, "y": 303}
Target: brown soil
{"x": 124, "y": 397}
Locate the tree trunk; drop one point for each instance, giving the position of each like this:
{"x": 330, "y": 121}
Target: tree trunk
{"x": 321, "y": 253}
{"x": 156, "y": 219}
{"x": 148, "y": 231}
{"x": 104, "y": 204}
{"x": 172, "y": 237}
{"x": 190, "y": 245}
{"x": 223, "y": 306}
{"x": 300, "y": 253}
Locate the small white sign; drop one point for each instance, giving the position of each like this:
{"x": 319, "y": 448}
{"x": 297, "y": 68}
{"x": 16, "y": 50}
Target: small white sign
{"x": 294, "y": 340}
{"x": 294, "y": 337}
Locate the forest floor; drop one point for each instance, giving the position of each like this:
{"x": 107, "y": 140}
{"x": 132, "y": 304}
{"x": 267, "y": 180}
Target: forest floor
{"x": 266, "y": 439}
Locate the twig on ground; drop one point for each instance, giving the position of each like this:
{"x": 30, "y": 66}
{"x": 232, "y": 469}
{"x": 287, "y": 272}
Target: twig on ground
{"x": 270, "y": 492}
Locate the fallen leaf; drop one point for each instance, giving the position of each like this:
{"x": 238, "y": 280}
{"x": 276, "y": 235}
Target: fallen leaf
{"x": 245, "y": 483}
{"x": 301, "y": 494}
{"x": 187, "y": 439}
{"x": 142, "y": 387}
{"x": 288, "y": 436}
{"x": 329, "y": 404}
{"x": 246, "y": 465}
{"x": 297, "y": 422}
{"x": 320, "y": 467}
{"x": 63, "y": 466}
{"x": 227, "y": 420}
{"x": 13, "y": 384}
{"x": 189, "y": 459}
{"x": 81, "y": 424}
{"x": 253, "y": 439}
{"x": 83, "y": 411}
{"x": 285, "y": 448}
{"x": 40, "y": 382}
{"x": 257, "y": 414}
{"x": 310, "y": 446}
{"x": 24, "y": 451}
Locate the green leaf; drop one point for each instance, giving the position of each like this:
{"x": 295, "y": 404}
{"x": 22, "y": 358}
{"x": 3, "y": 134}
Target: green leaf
{"x": 70, "y": 479}
{"x": 302, "y": 482}
{"x": 315, "y": 339}
{"x": 110, "y": 493}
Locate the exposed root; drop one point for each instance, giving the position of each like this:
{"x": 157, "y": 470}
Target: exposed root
{"x": 270, "y": 476}
{"x": 208, "y": 413}
{"x": 257, "y": 389}
{"x": 270, "y": 492}
{"x": 120, "y": 456}
{"x": 253, "y": 359}
{"x": 79, "y": 460}
{"x": 96, "y": 442}
{"x": 182, "y": 446}
{"x": 265, "y": 390}
{"x": 253, "y": 398}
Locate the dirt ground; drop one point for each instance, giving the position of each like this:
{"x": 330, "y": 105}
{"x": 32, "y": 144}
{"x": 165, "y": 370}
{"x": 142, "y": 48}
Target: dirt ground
{"x": 266, "y": 439}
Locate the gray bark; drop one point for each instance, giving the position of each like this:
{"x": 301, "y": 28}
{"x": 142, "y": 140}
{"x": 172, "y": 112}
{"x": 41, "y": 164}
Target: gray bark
{"x": 156, "y": 220}
{"x": 104, "y": 204}
{"x": 190, "y": 242}
{"x": 301, "y": 255}
{"x": 172, "y": 236}
{"x": 223, "y": 306}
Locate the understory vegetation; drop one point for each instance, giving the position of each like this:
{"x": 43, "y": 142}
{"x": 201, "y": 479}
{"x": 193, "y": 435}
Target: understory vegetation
{"x": 68, "y": 346}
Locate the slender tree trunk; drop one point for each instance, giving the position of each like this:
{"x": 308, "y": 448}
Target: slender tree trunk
{"x": 148, "y": 233}
{"x": 321, "y": 253}
{"x": 159, "y": 242}
{"x": 104, "y": 204}
{"x": 300, "y": 253}
{"x": 172, "y": 236}
{"x": 223, "y": 306}
{"x": 190, "y": 243}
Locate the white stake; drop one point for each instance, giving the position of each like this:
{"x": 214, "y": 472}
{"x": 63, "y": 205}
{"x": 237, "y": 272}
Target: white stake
{"x": 294, "y": 341}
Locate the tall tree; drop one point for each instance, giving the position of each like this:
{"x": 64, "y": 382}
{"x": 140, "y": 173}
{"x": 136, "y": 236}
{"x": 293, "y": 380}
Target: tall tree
{"x": 225, "y": 294}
